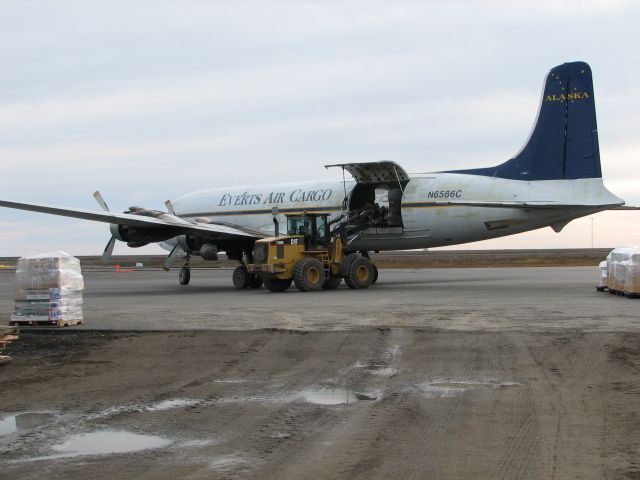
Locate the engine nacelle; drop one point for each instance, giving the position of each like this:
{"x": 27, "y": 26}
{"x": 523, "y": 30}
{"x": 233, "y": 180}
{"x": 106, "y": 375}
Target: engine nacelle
{"x": 140, "y": 236}
{"x": 117, "y": 232}
{"x": 188, "y": 244}
{"x": 209, "y": 252}
{"x": 195, "y": 246}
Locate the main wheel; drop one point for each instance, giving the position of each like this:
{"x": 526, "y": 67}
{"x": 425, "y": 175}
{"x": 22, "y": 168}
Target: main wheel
{"x": 277, "y": 284}
{"x": 308, "y": 275}
{"x": 241, "y": 277}
{"x": 255, "y": 280}
{"x": 360, "y": 273}
{"x": 332, "y": 283}
{"x": 184, "y": 276}
{"x": 375, "y": 274}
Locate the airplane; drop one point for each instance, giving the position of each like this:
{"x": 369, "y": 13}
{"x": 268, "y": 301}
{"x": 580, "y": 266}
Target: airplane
{"x": 555, "y": 178}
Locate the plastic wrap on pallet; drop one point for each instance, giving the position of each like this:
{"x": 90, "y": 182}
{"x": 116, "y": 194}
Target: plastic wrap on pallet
{"x": 604, "y": 275}
{"x": 616, "y": 268}
{"x": 48, "y": 288}
{"x": 632, "y": 278}
{"x": 617, "y": 274}
{"x": 49, "y": 270}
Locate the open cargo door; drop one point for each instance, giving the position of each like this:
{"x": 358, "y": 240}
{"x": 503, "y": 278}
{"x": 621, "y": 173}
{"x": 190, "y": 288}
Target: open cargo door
{"x": 376, "y": 199}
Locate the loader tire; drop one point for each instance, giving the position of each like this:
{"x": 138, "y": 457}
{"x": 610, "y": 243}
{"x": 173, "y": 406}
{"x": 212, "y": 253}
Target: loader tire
{"x": 308, "y": 275}
{"x": 360, "y": 273}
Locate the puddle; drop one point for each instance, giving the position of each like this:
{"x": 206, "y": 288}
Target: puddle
{"x": 149, "y": 407}
{"x": 384, "y": 372}
{"x": 333, "y": 396}
{"x": 24, "y": 421}
{"x": 107, "y": 442}
{"x": 447, "y": 388}
{"x": 171, "y": 404}
{"x": 226, "y": 461}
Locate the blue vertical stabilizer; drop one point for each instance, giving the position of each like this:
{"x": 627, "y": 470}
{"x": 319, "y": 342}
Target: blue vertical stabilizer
{"x": 564, "y": 140}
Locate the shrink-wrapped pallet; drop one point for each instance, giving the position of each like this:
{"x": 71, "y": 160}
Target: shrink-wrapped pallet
{"x": 48, "y": 289}
{"x": 604, "y": 276}
{"x": 49, "y": 270}
{"x": 632, "y": 276}
{"x": 616, "y": 266}
{"x": 617, "y": 273}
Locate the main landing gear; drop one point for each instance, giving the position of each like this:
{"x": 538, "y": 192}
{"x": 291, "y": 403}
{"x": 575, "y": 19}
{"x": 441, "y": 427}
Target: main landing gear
{"x": 184, "y": 276}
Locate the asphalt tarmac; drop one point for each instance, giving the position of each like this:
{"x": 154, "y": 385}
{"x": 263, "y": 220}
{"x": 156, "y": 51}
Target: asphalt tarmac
{"x": 443, "y": 373}
{"x": 492, "y": 299}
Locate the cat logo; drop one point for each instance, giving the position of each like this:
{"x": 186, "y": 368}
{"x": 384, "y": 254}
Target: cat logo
{"x": 570, "y": 96}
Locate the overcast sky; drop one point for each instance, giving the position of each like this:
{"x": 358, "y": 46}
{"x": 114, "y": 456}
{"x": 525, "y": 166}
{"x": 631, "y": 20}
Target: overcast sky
{"x": 150, "y": 100}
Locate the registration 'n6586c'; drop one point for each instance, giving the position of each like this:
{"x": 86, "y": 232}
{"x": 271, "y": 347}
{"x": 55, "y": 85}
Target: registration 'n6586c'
{"x": 444, "y": 194}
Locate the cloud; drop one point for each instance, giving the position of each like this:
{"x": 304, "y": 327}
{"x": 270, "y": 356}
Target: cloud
{"x": 149, "y": 100}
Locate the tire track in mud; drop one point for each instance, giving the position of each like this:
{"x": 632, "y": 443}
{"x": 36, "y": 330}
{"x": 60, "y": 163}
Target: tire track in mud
{"x": 349, "y": 429}
{"x": 591, "y": 410}
{"x": 278, "y": 427}
{"x": 413, "y": 458}
{"x": 582, "y": 362}
{"x": 533, "y": 402}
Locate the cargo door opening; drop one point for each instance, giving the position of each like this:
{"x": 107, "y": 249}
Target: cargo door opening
{"x": 375, "y": 202}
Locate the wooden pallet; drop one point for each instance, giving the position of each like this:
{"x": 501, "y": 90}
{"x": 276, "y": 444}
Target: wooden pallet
{"x": 45, "y": 323}
{"x": 6, "y": 339}
{"x": 7, "y": 335}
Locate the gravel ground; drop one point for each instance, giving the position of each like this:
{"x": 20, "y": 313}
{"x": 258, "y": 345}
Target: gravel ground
{"x": 548, "y": 389}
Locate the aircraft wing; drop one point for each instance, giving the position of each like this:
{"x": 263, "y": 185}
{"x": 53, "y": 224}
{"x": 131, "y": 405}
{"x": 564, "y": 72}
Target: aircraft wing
{"x": 148, "y": 219}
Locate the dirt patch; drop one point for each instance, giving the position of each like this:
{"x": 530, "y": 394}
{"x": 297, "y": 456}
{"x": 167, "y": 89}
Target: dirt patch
{"x": 365, "y": 403}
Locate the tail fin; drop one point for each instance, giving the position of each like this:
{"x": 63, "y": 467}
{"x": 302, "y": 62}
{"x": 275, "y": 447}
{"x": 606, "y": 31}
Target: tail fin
{"x": 564, "y": 140}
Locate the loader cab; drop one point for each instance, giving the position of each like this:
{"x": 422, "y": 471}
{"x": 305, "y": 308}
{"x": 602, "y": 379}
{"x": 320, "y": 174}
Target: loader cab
{"x": 313, "y": 226}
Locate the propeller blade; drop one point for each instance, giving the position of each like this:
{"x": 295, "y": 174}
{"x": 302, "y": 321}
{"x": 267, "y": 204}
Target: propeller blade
{"x": 171, "y": 258}
{"x": 170, "y": 207}
{"x": 108, "y": 250}
{"x": 98, "y": 196}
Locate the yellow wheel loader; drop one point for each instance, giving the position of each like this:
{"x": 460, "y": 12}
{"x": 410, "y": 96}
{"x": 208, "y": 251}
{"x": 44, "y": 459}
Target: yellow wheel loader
{"x": 309, "y": 255}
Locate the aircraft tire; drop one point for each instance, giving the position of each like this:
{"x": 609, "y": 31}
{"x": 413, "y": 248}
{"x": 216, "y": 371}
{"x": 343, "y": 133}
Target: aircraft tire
{"x": 308, "y": 275}
{"x": 184, "y": 276}
{"x": 255, "y": 280}
{"x": 240, "y": 277}
{"x": 375, "y": 274}
{"x": 360, "y": 273}
{"x": 277, "y": 284}
{"x": 332, "y": 283}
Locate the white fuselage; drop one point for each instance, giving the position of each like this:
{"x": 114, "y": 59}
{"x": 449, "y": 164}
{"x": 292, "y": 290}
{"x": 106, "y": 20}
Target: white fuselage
{"x": 426, "y": 221}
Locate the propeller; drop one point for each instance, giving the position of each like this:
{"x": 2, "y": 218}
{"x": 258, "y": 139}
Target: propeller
{"x": 108, "y": 249}
{"x": 98, "y": 196}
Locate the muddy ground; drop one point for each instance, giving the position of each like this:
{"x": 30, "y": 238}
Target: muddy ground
{"x": 368, "y": 403}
